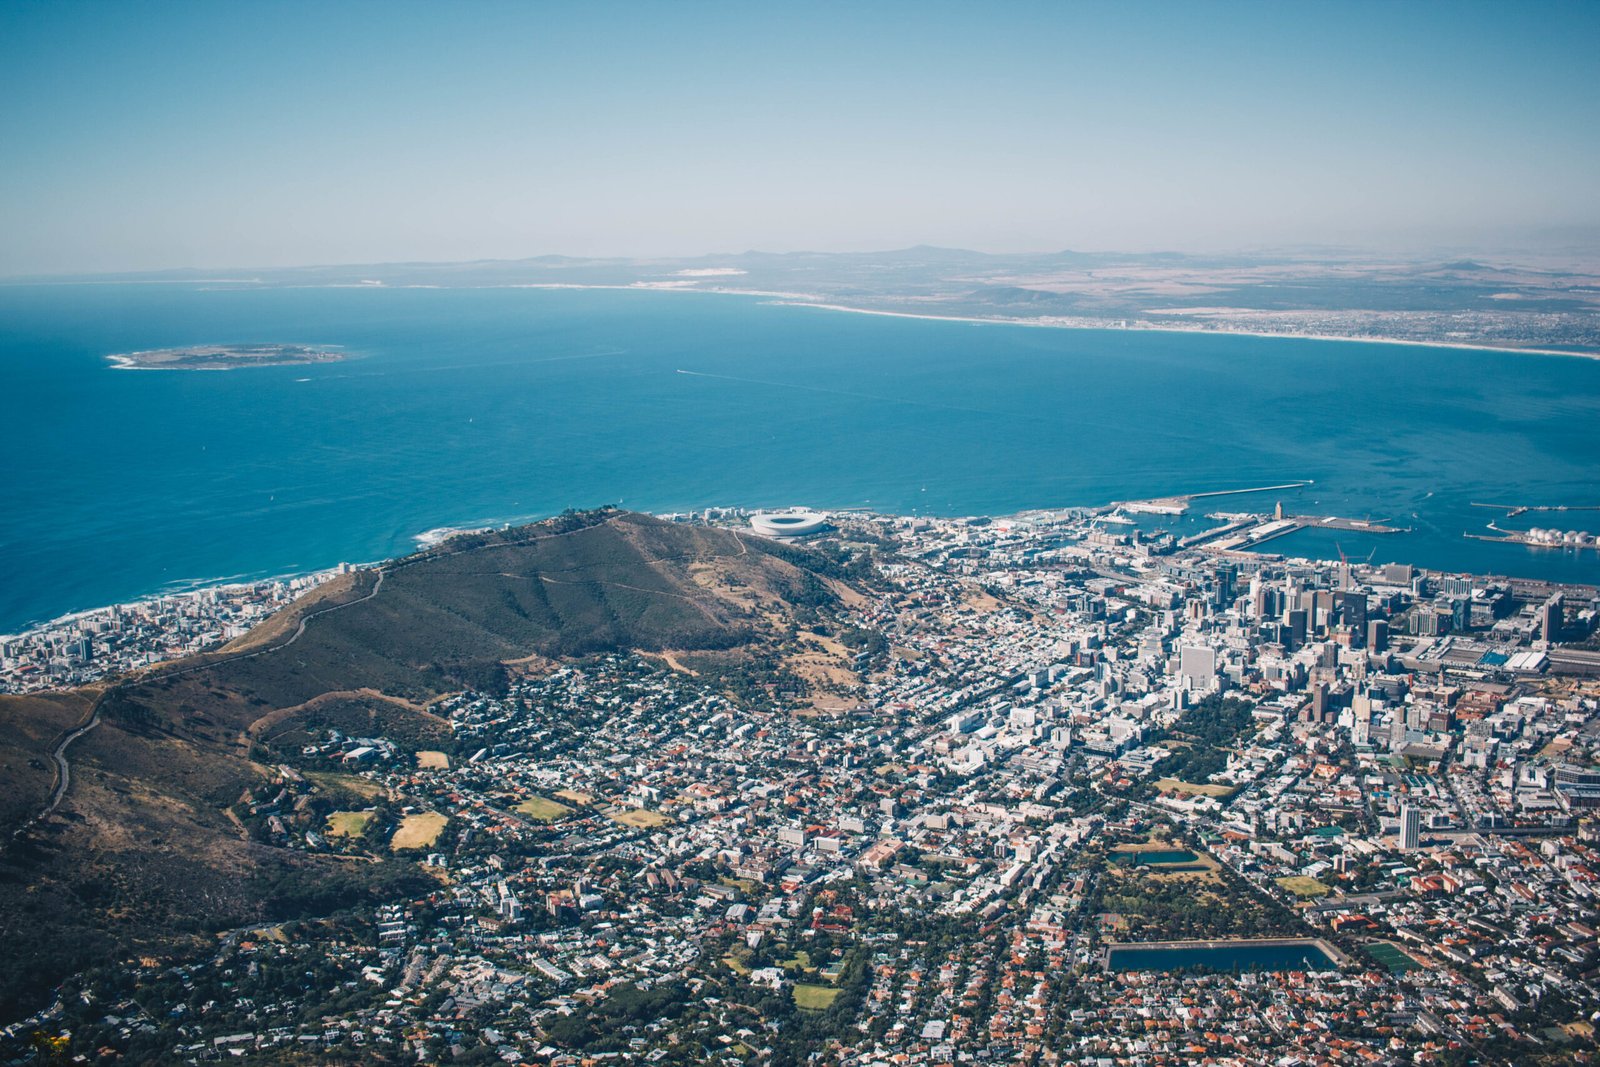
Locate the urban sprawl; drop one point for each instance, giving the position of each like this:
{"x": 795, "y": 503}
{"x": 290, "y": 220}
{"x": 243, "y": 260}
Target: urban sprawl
{"x": 1060, "y": 791}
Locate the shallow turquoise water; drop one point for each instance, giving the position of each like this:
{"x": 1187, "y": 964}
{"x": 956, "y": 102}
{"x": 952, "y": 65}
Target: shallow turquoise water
{"x": 473, "y": 406}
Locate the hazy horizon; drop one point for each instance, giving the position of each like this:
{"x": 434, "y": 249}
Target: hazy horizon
{"x": 169, "y": 136}
{"x": 1575, "y": 248}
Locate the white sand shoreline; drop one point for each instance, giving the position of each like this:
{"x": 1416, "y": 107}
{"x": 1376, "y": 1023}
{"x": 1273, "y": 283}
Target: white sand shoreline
{"x": 1143, "y": 328}
{"x": 179, "y": 590}
{"x": 813, "y": 301}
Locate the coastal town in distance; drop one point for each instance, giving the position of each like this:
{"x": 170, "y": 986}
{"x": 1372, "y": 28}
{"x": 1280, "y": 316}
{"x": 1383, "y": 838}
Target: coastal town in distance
{"x": 1046, "y": 788}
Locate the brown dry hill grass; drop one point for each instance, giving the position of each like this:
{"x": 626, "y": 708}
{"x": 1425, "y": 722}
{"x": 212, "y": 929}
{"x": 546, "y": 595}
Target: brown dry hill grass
{"x": 452, "y": 618}
{"x": 142, "y": 856}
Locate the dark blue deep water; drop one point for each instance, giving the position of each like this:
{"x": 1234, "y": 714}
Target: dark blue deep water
{"x": 1225, "y": 956}
{"x": 470, "y": 406}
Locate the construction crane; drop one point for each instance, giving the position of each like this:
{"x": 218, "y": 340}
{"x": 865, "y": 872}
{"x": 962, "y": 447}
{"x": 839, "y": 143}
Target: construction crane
{"x": 1344, "y": 559}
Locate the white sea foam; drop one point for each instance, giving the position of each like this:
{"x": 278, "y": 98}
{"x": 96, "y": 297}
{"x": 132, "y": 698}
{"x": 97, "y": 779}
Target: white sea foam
{"x": 440, "y": 534}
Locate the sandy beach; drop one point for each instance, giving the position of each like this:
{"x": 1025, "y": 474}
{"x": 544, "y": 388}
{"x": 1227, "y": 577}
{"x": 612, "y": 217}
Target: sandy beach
{"x": 1145, "y": 328}
{"x": 813, "y": 301}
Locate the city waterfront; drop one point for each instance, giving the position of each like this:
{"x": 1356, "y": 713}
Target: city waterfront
{"x": 478, "y": 406}
{"x": 1028, "y": 784}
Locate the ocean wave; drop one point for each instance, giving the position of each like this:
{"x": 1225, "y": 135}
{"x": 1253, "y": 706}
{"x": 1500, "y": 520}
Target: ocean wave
{"x": 440, "y": 534}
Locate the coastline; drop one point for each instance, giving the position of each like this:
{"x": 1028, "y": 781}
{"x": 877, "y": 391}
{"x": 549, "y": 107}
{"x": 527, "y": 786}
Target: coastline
{"x": 244, "y": 575}
{"x": 795, "y": 299}
{"x": 431, "y": 538}
{"x": 128, "y": 363}
{"x": 811, "y": 300}
{"x": 1140, "y": 327}
{"x": 194, "y": 587}
{"x": 227, "y": 357}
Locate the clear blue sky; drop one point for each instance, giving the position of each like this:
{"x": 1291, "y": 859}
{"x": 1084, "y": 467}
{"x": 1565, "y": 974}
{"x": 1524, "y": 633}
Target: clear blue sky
{"x": 145, "y": 135}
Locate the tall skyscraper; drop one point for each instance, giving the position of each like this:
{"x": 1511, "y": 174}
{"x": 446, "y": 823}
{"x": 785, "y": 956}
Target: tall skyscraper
{"x": 1377, "y": 635}
{"x": 1552, "y": 619}
{"x": 1197, "y": 667}
{"x": 1353, "y": 610}
{"x": 1297, "y": 628}
{"x": 1227, "y": 578}
{"x": 1410, "y": 828}
{"x": 1263, "y": 601}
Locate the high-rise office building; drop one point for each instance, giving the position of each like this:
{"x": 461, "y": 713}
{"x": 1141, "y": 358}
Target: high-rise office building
{"x": 1410, "y": 828}
{"x": 1197, "y": 668}
{"x": 1297, "y": 627}
{"x": 1552, "y": 619}
{"x": 1378, "y": 635}
{"x": 1353, "y": 610}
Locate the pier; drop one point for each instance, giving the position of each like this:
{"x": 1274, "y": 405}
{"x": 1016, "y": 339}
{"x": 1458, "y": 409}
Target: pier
{"x": 1217, "y": 532}
{"x": 1179, "y": 503}
{"x": 1569, "y": 539}
{"x": 1243, "y": 535}
{"x": 1513, "y": 510}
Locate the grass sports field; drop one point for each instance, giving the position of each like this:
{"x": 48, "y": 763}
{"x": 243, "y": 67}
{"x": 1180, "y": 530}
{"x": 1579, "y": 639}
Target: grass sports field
{"x": 417, "y": 831}
{"x": 348, "y": 823}
{"x": 1391, "y": 957}
{"x": 541, "y": 809}
{"x": 814, "y": 997}
{"x": 643, "y": 818}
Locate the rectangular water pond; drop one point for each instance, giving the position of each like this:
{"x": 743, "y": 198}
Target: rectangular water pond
{"x": 1222, "y": 956}
{"x": 1148, "y": 858}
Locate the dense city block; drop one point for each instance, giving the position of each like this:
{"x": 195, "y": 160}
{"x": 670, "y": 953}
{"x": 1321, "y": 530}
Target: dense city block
{"x": 1046, "y": 789}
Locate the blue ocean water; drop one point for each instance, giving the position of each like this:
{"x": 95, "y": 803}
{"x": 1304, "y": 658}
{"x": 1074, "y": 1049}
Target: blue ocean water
{"x": 471, "y": 406}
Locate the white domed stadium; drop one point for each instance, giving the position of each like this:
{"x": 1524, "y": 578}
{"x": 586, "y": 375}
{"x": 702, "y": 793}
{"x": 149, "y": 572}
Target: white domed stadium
{"x": 792, "y": 523}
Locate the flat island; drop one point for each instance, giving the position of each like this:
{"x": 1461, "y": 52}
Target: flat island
{"x": 225, "y": 357}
